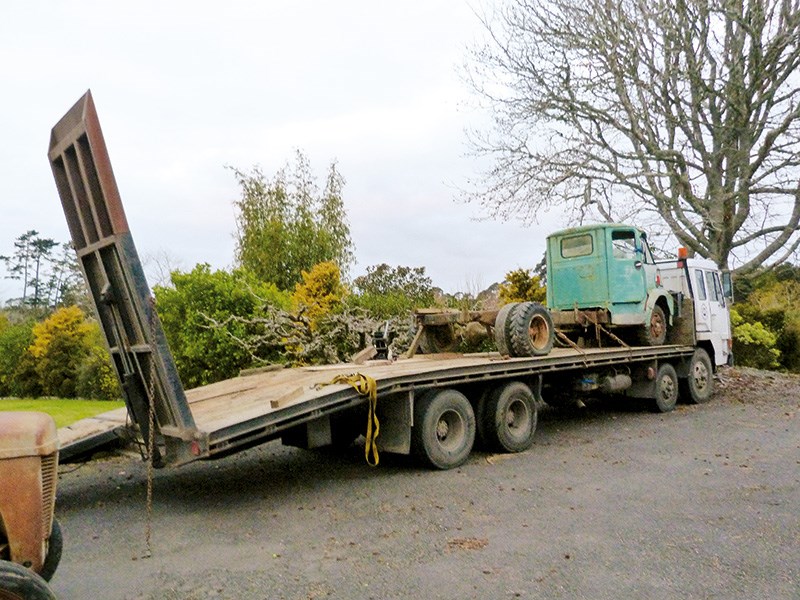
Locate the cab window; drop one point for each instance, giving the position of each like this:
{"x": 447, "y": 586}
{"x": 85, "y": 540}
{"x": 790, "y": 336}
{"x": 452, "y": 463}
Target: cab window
{"x": 648, "y": 255}
{"x": 701, "y": 285}
{"x": 714, "y": 287}
{"x": 623, "y": 244}
{"x": 577, "y": 245}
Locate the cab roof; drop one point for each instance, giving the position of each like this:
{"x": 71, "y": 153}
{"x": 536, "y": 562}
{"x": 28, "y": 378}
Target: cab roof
{"x": 593, "y": 227}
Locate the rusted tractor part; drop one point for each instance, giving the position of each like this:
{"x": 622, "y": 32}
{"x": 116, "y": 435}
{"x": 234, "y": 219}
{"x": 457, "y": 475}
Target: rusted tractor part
{"x": 436, "y": 328}
{"x": 525, "y": 329}
{"x": 30, "y": 538}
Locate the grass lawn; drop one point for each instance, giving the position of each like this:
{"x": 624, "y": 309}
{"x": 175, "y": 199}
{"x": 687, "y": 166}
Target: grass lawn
{"x": 63, "y": 410}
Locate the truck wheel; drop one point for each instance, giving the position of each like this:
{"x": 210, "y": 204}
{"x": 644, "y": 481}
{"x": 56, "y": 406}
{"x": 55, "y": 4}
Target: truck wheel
{"x": 54, "y": 546}
{"x": 19, "y": 583}
{"x": 444, "y": 428}
{"x": 666, "y": 388}
{"x": 509, "y": 418}
{"x": 437, "y": 339}
{"x": 501, "y": 328}
{"x": 654, "y": 333}
{"x": 699, "y": 383}
{"x": 532, "y": 330}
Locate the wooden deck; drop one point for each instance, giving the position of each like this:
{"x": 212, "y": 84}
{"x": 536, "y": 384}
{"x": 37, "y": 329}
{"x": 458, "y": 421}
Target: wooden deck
{"x": 251, "y": 401}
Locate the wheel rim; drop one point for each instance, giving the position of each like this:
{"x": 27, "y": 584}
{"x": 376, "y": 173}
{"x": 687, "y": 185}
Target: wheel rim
{"x": 668, "y": 391}
{"x": 539, "y": 332}
{"x": 450, "y": 430}
{"x": 700, "y": 376}
{"x": 517, "y": 417}
{"x": 657, "y": 326}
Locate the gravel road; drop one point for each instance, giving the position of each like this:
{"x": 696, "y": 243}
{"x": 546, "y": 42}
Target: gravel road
{"x": 611, "y": 502}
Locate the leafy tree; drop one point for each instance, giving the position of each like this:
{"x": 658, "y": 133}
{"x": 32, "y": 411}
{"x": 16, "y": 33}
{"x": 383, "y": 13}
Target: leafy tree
{"x": 96, "y": 377}
{"x": 14, "y": 342}
{"x": 206, "y": 316}
{"x": 49, "y": 272}
{"x": 753, "y": 344}
{"x": 286, "y": 226}
{"x": 32, "y": 254}
{"x": 320, "y": 292}
{"x": 522, "y": 286}
{"x": 389, "y": 292}
{"x": 60, "y": 344}
{"x": 686, "y": 111}
{"x": 772, "y": 299}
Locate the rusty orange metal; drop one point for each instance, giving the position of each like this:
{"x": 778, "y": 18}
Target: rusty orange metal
{"x": 28, "y": 465}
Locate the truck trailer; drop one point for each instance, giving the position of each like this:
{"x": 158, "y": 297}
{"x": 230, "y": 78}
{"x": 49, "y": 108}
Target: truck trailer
{"x": 433, "y": 405}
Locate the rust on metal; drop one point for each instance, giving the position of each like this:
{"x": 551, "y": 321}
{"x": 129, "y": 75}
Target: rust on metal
{"x": 84, "y": 176}
{"x": 28, "y": 458}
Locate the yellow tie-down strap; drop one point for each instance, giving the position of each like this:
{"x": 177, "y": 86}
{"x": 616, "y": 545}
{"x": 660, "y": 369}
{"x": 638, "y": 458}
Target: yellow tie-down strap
{"x": 366, "y": 386}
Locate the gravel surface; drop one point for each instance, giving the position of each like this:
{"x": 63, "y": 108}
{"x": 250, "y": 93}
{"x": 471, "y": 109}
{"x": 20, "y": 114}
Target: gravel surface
{"x": 612, "y": 501}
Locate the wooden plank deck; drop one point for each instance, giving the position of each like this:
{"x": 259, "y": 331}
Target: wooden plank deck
{"x": 253, "y": 397}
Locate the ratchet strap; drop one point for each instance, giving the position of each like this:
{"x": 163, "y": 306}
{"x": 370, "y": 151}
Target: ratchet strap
{"x": 366, "y": 386}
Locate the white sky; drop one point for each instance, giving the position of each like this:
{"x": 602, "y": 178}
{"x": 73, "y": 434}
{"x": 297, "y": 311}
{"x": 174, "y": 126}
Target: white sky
{"x": 184, "y": 88}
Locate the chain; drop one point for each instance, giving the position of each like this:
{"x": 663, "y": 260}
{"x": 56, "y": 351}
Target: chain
{"x": 151, "y": 435}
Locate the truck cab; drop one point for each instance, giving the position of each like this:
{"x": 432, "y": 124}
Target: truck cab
{"x": 605, "y": 274}
{"x": 701, "y": 283}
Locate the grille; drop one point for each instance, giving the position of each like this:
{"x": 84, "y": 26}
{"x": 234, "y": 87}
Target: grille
{"x": 49, "y": 476}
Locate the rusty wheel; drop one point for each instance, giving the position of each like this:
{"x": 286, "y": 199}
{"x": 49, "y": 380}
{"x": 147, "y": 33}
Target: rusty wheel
{"x": 438, "y": 339}
{"x": 532, "y": 330}
{"x": 654, "y": 333}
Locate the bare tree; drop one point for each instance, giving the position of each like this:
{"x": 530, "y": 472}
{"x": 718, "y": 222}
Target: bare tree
{"x": 688, "y": 110}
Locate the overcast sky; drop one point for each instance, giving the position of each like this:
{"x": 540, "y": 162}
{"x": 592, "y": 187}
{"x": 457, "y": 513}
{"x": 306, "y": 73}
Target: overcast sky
{"x": 184, "y": 88}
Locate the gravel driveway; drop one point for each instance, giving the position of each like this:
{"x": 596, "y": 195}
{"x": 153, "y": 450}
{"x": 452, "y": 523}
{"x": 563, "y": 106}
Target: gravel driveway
{"x": 611, "y": 502}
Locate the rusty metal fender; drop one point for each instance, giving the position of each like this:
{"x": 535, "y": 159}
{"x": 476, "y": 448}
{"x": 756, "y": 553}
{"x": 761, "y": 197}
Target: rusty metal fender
{"x": 28, "y": 463}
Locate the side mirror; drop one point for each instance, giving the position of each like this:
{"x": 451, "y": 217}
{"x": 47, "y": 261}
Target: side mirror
{"x": 727, "y": 285}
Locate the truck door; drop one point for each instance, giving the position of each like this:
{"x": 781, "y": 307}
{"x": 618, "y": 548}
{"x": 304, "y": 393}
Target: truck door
{"x": 626, "y": 272}
{"x": 702, "y": 307}
{"x": 720, "y": 323}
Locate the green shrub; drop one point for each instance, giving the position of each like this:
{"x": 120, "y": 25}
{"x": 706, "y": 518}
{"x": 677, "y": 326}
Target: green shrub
{"x": 14, "y": 342}
{"x": 753, "y": 344}
{"x": 207, "y": 315}
{"x": 96, "y": 377}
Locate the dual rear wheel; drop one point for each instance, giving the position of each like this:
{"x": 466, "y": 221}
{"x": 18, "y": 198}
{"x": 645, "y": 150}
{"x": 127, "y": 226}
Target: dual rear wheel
{"x": 446, "y": 425}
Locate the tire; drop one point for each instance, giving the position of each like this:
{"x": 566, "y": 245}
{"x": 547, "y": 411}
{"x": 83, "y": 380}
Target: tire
{"x": 444, "y": 429}
{"x": 19, "y": 583}
{"x": 698, "y": 386}
{"x": 654, "y": 333}
{"x": 438, "y": 339}
{"x": 501, "y": 325}
{"x": 509, "y": 418}
{"x": 55, "y": 544}
{"x": 666, "y": 395}
{"x": 532, "y": 330}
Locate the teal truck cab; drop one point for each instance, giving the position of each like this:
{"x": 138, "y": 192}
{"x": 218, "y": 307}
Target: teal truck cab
{"x": 606, "y": 274}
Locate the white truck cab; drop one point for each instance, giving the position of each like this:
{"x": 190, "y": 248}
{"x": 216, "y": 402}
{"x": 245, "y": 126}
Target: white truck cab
{"x": 700, "y": 280}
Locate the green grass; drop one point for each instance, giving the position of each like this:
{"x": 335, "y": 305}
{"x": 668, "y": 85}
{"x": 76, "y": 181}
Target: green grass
{"x": 63, "y": 410}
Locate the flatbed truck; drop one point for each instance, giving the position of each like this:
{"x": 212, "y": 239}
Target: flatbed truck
{"x": 432, "y": 405}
